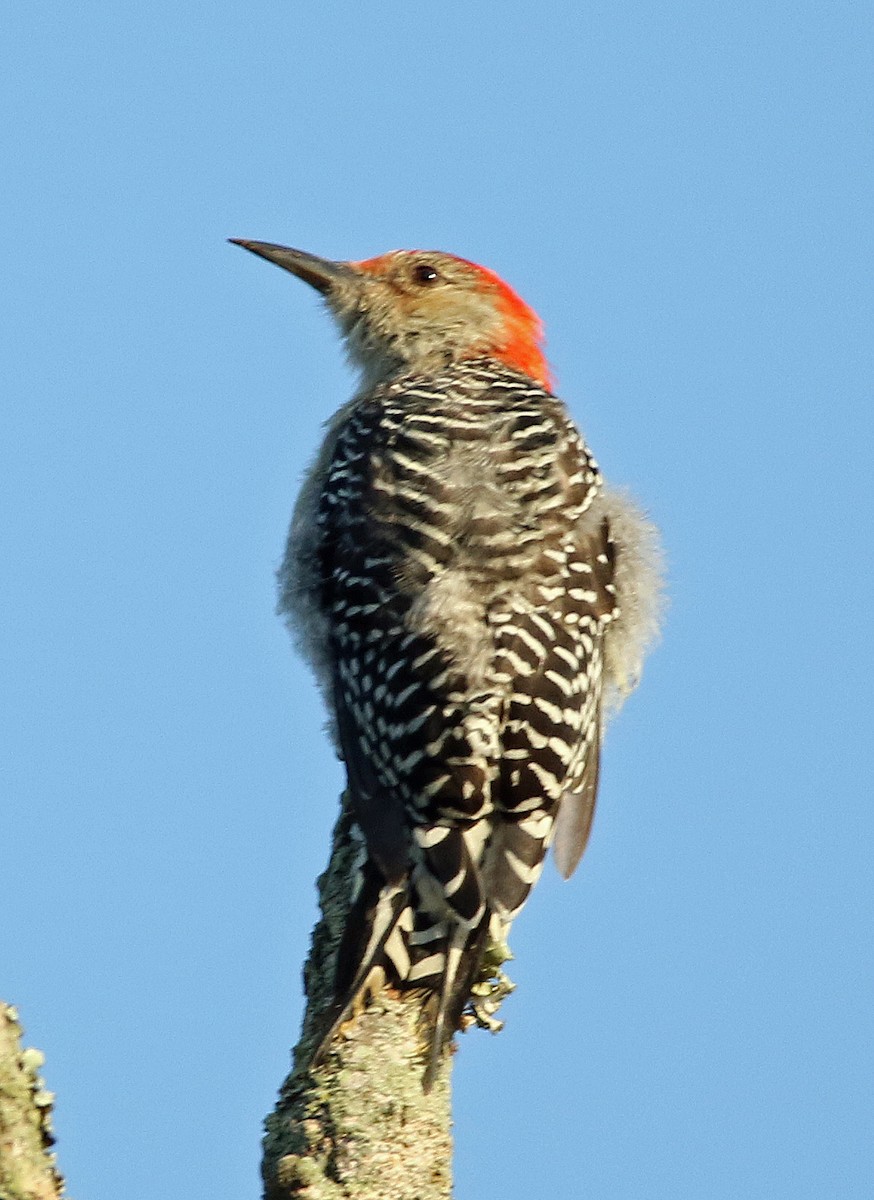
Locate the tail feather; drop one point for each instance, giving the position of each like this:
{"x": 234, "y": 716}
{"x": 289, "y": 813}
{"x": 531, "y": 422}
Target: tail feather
{"x": 461, "y": 964}
{"x": 378, "y": 944}
{"x": 358, "y": 960}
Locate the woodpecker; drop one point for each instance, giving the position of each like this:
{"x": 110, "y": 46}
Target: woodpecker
{"x": 474, "y": 602}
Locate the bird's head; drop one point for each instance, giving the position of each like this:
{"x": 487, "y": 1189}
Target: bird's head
{"x": 418, "y": 310}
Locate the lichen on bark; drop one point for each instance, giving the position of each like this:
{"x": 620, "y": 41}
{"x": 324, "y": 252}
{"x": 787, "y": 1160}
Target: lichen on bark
{"x": 27, "y": 1164}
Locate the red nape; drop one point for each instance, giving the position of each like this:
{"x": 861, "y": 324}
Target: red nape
{"x": 521, "y": 345}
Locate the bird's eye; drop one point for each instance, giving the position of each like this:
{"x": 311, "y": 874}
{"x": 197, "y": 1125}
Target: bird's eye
{"x": 425, "y": 275}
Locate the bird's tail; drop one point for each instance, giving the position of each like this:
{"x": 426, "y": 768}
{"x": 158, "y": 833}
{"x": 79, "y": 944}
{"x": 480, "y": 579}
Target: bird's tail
{"x": 388, "y": 939}
{"x": 461, "y": 961}
{"x": 372, "y": 940}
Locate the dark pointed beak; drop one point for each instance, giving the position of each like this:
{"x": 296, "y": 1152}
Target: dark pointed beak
{"x": 320, "y": 273}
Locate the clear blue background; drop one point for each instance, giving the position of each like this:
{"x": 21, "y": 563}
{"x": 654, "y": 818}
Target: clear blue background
{"x": 684, "y": 192}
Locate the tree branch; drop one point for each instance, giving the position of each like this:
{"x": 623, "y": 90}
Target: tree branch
{"x": 360, "y": 1125}
{"x": 27, "y": 1165}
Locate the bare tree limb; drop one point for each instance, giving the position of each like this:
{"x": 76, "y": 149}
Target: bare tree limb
{"x": 360, "y": 1125}
{"x": 27, "y": 1165}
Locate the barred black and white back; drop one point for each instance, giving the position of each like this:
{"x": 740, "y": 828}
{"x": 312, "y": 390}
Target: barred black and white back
{"x": 470, "y": 597}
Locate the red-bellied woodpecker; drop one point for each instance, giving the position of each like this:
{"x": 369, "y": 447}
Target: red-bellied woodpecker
{"x": 473, "y": 601}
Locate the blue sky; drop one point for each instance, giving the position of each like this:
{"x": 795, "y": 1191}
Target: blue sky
{"x": 683, "y": 191}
